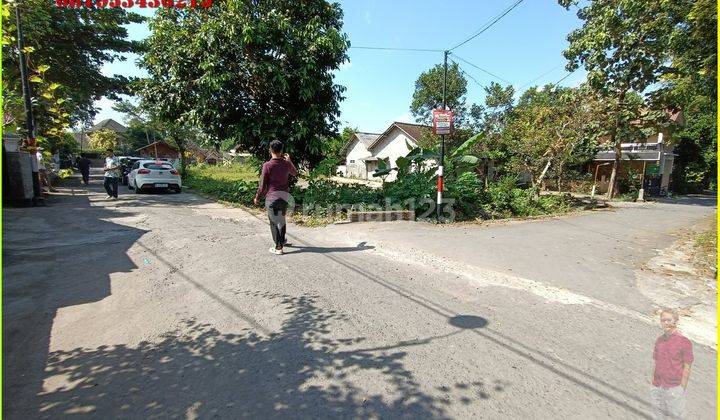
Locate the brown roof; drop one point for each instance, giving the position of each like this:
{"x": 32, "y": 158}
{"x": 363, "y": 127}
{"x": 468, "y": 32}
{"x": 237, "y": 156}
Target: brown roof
{"x": 151, "y": 146}
{"x": 675, "y": 115}
{"x": 414, "y": 131}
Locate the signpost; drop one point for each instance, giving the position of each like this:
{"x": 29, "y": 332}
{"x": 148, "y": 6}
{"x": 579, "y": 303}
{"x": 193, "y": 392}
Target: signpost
{"x": 442, "y": 121}
{"x": 442, "y": 125}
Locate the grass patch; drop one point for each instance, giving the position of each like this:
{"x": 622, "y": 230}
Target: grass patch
{"x": 233, "y": 183}
{"x": 705, "y": 249}
{"x": 231, "y": 172}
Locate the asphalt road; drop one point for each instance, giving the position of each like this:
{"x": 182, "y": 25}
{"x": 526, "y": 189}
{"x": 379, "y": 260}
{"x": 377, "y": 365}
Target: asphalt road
{"x": 164, "y": 306}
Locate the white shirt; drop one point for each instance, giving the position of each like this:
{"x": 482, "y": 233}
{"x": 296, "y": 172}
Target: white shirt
{"x": 41, "y": 165}
{"x": 110, "y": 162}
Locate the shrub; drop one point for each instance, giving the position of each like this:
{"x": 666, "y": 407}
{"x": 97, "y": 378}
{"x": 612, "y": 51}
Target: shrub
{"x": 468, "y": 195}
{"x": 65, "y": 173}
{"x": 414, "y": 190}
{"x": 323, "y": 197}
{"x": 236, "y": 191}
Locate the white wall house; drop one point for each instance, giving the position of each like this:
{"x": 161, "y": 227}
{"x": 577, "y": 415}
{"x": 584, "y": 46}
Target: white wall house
{"x": 356, "y": 151}
{"x": 363, "y": 150}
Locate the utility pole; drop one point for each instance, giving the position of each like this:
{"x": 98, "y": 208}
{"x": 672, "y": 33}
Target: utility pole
{"x": 442, "y": 142}
{"x": 29, "y": 120}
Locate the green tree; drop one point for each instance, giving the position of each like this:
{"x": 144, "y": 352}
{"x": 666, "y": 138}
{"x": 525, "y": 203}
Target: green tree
{"x": 72, "y": 44}
{"x": 143, "y": 127}
{"x": 549, "y": 128}
{"x": 623, "y": 46}
{"x": 428, "y": 93}
{"x": 691, "y": 85}
{"x": 250, "y": 72}
{"x": 104, "y": 139}
{"x": 491, "y": 120}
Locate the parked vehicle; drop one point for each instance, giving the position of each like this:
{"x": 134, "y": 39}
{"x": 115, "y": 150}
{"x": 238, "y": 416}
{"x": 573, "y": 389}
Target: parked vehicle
{"x": 126, "y": 163}
{"x": 154, "y": 174}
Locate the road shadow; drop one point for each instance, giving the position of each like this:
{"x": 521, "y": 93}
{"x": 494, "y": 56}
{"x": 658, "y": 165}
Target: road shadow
{"x": 297, "y": 249}
{"x": 50, "y": 261}
{"x": 199, "y": 372}
{"x": 702, "y": 200}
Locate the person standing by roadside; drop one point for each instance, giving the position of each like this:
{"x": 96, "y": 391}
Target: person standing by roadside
{"x": 673, "y": 357}
{"x": 112, "y": 164}
{"x": 274, "y": 186}
{"x": 83, "y": 165}
{"x": 42, "y": 171}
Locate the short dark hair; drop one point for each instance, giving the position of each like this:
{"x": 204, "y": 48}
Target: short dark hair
{"x": 276, "y": 146}
{"x": 110, "y": 150}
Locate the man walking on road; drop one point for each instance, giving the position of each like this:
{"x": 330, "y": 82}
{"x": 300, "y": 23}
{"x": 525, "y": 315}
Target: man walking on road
{"x": 673, "y": 357}
{"x": 112, "y": 164}
{"x": 274, "y": 186}
{"x": 83, "y": 165}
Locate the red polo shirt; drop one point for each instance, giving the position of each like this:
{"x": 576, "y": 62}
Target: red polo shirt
{"x": 275, "y": 179}
{"x": 670, "y": 354}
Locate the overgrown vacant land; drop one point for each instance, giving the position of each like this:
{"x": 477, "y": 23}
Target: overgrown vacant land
{"x": 322, "y": 198}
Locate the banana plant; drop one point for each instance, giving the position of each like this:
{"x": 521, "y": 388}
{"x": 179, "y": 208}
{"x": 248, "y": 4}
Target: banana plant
{"x": 458, "y": 161}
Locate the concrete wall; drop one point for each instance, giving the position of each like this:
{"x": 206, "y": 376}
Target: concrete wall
{"x": 355, "y": 166}
{"x": 666, "y": 170}
{"x": 392, "y": 147}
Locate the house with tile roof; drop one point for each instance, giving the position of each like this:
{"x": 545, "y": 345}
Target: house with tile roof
{"x": 363, "y": 151}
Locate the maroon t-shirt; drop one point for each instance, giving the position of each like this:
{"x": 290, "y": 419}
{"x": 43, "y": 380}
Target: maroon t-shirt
{"x": 670, "y": 354}
{"x": 275, "y": 178}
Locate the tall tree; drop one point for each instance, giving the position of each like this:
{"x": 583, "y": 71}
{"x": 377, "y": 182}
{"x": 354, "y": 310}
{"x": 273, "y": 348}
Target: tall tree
{"x": 623, "y": 46}
{"x": 250, "y": 71}
{"x": 143, "y": 126}
{"x": 428, "y": 93}
{"x": 691, "y": 84}
{"x": 549, "y": 128}
{"x": 491, "y": 120}
{"x": 72, "y": 45}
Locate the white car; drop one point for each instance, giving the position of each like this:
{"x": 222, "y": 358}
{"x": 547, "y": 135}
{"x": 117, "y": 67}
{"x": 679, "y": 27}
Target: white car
{"x": 151, "y": 174}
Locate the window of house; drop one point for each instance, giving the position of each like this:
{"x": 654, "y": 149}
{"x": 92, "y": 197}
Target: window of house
{"x": 352, "y": 161}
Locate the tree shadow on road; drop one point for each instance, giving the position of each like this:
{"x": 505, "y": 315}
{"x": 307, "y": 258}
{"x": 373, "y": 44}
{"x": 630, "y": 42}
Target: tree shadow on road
{"x": 54, "y": 257}
{"x": 199, "y": 372}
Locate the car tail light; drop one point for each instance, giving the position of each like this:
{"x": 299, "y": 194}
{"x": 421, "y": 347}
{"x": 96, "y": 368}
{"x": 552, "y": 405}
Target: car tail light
{"x": 144, "y": 171}
{"x": 175, "y": 172}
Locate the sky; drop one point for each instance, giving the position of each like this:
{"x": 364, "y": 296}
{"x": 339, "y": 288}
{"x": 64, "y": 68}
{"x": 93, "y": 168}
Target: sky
{"x": 523, "y": 48}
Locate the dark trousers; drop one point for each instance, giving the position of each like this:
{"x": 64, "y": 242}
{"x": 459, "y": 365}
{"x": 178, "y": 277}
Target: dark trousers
{"x": 276, "y": 213}
{"x": 111, "y": 186}
{"x": 85, "y": 176}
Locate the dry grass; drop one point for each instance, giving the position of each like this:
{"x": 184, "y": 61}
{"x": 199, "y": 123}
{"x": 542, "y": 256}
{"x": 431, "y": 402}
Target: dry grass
{"x": 705, "y": 248}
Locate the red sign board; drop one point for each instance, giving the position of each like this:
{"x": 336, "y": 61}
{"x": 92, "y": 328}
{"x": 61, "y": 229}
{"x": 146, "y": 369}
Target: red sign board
{"x": 442, "y": 121}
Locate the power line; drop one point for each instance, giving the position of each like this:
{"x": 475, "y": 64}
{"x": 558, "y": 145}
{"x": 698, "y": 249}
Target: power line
{"x": 488, "y": 26}
{"x": 397, "y": 49}
{"x": 468, "y": 74}
{"x": 482, "y": 69}
{"x": 542, "y": 75}
{"x": 566, "y": 76}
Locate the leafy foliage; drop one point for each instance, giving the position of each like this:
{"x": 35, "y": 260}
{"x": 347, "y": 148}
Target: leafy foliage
{"x": 250, "y": 71}
{"x": 429, "y": 90}
{"x": 69, "y": 47}
{"x": 623, "y": 46}
{"x": 104, "y": 139}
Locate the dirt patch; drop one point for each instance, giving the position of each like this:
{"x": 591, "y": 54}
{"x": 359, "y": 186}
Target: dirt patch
{"x": 682, "y": 276}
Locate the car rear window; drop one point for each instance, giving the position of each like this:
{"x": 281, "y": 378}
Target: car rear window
{"x": 157, "y": 166}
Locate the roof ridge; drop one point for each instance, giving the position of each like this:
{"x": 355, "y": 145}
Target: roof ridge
{"x": 407, "y": 123}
